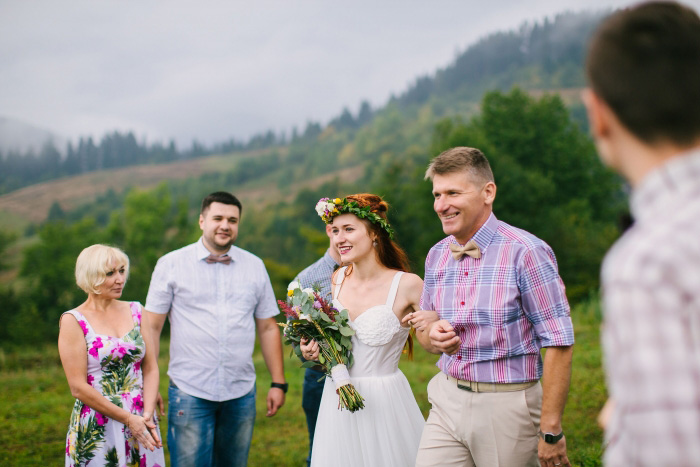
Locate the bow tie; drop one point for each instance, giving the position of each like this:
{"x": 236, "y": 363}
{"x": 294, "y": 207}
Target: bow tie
{"x": 471, "y": 249}
{"x": 212, "y": 258}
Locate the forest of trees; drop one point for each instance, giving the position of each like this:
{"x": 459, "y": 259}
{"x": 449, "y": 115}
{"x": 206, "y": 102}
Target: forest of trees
{"x": 550, "y": 182}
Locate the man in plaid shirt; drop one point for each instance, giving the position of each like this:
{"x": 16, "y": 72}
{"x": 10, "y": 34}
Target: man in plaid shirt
{"x": 500, "y": 299}
{"x": 644, "y": 110}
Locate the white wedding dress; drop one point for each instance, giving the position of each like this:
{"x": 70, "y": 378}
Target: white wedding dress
{"x": 387, "y": 431}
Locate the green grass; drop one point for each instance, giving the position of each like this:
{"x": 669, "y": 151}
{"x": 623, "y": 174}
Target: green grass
{"x": 35, "y": 403}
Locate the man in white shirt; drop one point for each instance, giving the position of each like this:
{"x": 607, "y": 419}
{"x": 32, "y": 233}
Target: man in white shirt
{"x": 216, "y": 295}
{"x": 644, "y": 109}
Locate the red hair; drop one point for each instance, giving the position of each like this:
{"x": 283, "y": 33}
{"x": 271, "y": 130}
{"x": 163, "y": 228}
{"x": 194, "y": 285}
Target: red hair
{"x": 389, "y": 253}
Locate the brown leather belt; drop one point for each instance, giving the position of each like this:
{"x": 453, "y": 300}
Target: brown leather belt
{"x": 475, "y": 386}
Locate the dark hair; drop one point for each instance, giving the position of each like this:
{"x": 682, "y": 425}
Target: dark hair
{"x": 644, "y": 62}
{"x": 221, "y": 197}
{"x": 461, "y": 159}
{"x": 390, "y": 254}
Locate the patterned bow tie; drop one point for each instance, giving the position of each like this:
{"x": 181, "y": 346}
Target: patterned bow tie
{"x": 212, "y": 258}
{"x": 471, "y": 249}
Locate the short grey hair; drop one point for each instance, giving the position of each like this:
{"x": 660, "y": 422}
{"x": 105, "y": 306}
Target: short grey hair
{"x": 461, "y": 159}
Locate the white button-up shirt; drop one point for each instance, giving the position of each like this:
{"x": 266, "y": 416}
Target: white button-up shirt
{"x": 212, "y": 327}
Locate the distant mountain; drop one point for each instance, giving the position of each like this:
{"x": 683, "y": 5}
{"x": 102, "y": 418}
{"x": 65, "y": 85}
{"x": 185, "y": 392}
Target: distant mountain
{"x": 19, "y": 137}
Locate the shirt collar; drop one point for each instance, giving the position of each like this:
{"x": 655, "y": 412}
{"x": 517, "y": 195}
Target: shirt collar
{"x": 484, "y": 235}
{"x": 656, "y": 190}
{"x": 328, "y": 260}
{"x": 202, "y": 251}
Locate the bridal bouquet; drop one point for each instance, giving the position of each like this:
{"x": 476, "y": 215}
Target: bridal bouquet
{"x": 310, "y": 316}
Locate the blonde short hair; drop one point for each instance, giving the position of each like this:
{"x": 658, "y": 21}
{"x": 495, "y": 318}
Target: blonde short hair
{"x": 93, "y": 264}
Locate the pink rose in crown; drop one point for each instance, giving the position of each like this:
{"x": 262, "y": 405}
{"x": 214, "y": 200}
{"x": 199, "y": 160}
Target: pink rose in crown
{"x": 96, "y": 344}
{"x": 121, "y": 349}
{"x": 101, "y": 419}
{"x": 83, "y": 326}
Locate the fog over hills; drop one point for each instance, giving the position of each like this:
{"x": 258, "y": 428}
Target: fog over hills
{"x": 20, "y": 137}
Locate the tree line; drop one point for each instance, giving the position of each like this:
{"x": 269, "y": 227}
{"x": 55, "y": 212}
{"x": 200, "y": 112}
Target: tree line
{"x": 550, "y": 182}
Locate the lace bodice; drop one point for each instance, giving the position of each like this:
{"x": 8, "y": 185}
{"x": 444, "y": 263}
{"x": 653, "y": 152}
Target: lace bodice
{"x": 379, "y": 337}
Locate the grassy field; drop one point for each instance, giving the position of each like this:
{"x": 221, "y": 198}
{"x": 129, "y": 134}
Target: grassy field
{"x": 35, "y": 403}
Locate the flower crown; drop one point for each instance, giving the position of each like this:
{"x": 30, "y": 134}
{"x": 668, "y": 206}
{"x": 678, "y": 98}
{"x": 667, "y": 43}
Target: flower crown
{"x": 329, "y": 208}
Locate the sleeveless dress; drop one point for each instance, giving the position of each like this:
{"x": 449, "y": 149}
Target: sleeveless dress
{"x": 114, "y": 369}
{"x": 387, "y": 431}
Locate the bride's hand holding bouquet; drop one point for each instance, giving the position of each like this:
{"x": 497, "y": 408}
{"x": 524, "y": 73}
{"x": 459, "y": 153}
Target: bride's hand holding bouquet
{"x": 320, "y": 333}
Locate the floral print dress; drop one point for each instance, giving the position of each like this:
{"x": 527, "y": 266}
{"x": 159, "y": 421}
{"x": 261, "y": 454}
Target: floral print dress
{"x": 114, "y": 369}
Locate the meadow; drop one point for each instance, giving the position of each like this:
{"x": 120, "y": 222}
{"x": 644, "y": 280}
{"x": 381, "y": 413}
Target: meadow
{"x": 35, "y": 402}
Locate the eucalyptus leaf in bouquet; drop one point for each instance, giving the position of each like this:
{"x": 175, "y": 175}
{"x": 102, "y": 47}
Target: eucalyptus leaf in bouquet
{"x": 309, "y": 316}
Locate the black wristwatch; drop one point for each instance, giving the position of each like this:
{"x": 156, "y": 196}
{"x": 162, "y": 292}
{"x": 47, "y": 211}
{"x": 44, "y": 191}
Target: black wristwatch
{"x": 282, "y": 386}
{"x": 551, "y": 438}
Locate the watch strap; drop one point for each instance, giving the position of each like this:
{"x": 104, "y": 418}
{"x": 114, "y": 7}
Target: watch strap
{"x": 551, "y": 438}
{"x": 282, "y": 386}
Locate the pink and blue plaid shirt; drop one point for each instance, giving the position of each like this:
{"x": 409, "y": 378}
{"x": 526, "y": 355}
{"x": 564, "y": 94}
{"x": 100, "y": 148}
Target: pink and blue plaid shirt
{"x": 505, "y": 306}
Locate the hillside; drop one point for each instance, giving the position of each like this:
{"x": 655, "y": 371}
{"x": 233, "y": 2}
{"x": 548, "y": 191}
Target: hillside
{"x": 32, "y": 204}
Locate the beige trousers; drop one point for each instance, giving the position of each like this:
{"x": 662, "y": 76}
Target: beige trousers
{"x": 484, "y": 429}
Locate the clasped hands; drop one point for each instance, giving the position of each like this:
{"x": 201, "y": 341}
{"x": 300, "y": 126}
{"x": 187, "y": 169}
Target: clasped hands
{"x": 309, "y": 349}
{"x": 420, "y": 319}
{"x": 443, "y": 337}
{"x": 144, "y": 429}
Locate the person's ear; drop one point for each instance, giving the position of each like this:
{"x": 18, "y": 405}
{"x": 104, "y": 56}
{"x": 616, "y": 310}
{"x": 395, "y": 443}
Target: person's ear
{"x": 597, "y": 112}
{"x": 489, "y": 191}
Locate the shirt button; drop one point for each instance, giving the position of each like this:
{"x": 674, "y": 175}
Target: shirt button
{"x": 461, "y": 303}
{"x": 459, "y": 357}
{"x": 466, "y": 273}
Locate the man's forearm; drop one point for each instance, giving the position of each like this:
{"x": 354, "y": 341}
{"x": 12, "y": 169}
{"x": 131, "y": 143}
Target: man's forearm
{"x": 555, "y": 387}
{"x": 271, "y": 346}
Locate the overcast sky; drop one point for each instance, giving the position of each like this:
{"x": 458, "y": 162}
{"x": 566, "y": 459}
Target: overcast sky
{"x": 213, "y": 70}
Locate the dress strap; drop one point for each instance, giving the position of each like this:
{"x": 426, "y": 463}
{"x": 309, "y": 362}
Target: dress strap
{"x": 338, "y": 281}
{"x": 81, "y": 319}
{"x": 394, "y": 289}
{"x": 136, "y": 312}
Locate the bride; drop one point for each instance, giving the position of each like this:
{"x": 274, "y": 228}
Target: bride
{"x": 378, "y": 294}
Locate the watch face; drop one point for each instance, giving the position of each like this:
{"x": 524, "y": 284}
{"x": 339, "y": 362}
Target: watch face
{"x": 549, "y": 438}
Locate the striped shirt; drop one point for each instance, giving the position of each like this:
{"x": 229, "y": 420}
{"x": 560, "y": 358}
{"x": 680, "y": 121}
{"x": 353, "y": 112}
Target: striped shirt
{"x": 505, "y": 306}
{"x": 651, "y": 336}
{"x": 319, "y": 274}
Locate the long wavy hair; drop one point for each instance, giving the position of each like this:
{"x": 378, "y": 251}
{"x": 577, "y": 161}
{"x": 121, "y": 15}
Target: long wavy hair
{"x": 389, "y": 253}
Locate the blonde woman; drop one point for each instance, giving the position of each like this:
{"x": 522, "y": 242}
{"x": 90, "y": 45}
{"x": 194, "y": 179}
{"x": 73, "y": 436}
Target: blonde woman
{"x": 110, "y": 371}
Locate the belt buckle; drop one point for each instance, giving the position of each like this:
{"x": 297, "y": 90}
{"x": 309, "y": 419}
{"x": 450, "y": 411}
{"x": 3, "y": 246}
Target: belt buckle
{"x": 463, "y": 387}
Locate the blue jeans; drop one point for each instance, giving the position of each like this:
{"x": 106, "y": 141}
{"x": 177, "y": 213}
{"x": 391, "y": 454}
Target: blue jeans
{"x": 310, "y": 401}
{"x": 204, "y": 433}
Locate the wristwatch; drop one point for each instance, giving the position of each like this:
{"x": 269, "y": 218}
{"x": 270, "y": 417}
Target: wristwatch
{"x": 282, "y": 386}
{"x": 551, "y": 438}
